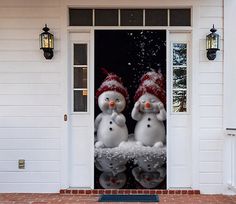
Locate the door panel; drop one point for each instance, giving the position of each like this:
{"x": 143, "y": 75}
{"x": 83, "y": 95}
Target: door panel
{"x": 82, "y": 114}
{"x": 179, "y": 123}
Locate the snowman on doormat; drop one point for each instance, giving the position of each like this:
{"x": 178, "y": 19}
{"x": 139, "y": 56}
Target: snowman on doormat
{"x": 149, "y": 110}
{"x": 110, "y": 125}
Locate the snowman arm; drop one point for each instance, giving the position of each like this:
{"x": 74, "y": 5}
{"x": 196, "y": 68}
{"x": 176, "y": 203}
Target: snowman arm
{"x": 161, "y": 115}
{"x": 99, "y": 167}
{"x": 120, "y": 169}
{"x": 136, "y": 115}
{"x": 119, "y": 119}
{"x": 97, "y": 121}
{"x": 136, "y": 173}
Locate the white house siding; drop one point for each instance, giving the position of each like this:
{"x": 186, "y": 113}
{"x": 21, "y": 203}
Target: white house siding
{"x": 30, "y": 97}
{"x": 209, "y": 120}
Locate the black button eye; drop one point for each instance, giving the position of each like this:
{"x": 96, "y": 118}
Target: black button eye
{"x": 149, "y": 119}
{"x": 110, "y": 122}
{"x": 110, "y": 129}
{"x": 106, "y": 99}
{"x": 148, "y": 125}
{"x": 117, "y": 100}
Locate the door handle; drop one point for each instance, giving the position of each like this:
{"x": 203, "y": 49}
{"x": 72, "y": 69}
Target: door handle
{"x": 65, "y": 117}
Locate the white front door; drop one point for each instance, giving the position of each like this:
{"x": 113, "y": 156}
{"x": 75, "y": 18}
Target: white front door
{"x": 81, "y": 111}
{"x": 81, "y": 89}
{"x": 179, "y": 111}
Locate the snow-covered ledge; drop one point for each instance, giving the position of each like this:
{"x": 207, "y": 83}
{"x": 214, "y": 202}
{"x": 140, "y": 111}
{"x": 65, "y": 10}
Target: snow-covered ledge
{"x": 149, "y": 164}
{"x": 130, "y": 150}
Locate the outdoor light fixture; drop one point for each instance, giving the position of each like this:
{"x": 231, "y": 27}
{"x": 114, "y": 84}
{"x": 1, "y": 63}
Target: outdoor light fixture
{"x": 46, "y": 42}
{"x": 212, "y": 44}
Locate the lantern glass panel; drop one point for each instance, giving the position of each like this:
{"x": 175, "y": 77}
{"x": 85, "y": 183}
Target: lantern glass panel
{"x": 51, "y": 41}
{"x": 208, "y": 42}
{"x": 212, "y": 41}
{"x": 40, "y": 41}
{"x": 45, "y": 41}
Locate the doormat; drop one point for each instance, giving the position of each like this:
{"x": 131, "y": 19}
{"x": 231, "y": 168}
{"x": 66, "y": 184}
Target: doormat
{"x": 129, "y": 198}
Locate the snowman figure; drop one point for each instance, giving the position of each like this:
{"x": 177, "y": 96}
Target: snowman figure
{"x": 149, "y": 110}
{"x": 110, "y": 124}
{"x": 115, "y": 164}
{"x": 150, "y": 171}
{"x": 108, "y": 181}
{"x": 149, "y": 179}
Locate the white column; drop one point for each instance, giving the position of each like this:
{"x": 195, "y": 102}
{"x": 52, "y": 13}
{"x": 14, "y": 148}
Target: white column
{"x": 229, "y": 96}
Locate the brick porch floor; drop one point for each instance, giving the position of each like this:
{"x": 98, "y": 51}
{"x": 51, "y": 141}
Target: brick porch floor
{"x": 73, "y": 199}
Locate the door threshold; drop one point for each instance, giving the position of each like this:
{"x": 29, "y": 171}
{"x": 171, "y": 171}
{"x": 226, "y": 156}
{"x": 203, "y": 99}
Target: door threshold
{"x": 84, "y": 191}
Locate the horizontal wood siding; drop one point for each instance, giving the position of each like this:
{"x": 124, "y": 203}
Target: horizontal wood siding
{"x": 30, "y": 97}
{"x": 210, "y": 89}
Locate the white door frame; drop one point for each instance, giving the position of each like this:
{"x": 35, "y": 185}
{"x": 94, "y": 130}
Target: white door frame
{"x": 169, "y": 30}
{"x": 65, "y": 30}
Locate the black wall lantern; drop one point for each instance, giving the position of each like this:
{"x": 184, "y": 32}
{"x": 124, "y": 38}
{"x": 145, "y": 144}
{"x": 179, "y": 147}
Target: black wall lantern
{"x": 46, "y": 42}
{"x": 212, "y": 44}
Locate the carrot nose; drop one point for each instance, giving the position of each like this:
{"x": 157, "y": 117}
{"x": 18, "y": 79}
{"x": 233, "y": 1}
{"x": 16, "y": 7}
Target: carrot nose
{"x": 112, "y": 104}
{"x": 113, "y": 180}
{"x": 147, "y": 105}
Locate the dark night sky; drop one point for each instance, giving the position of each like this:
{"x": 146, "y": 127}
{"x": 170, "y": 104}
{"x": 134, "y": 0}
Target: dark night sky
{"x": 129, "y": 54}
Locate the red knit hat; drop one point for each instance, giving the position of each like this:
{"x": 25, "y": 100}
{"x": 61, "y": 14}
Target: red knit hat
{"x": 154, "y": 83}
{"x": 112, "y": 83}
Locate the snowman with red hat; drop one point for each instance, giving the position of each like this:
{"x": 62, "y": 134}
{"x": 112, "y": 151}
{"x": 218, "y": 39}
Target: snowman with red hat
{"x": 110, "y": 125}
{"x": 149, "y": 110}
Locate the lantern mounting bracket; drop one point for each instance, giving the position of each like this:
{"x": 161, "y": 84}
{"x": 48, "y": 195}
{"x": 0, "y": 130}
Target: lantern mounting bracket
{"x": 211, "y": 54}
{"x": 48, "y": 53}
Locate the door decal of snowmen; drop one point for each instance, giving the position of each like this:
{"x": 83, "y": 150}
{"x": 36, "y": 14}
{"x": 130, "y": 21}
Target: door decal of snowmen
{"x": 130, "y": 135}
{"x": 114, "y": 148}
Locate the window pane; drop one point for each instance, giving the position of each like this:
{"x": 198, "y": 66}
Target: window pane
{"x": 180, "y": 54}
{"x": 180, "y": 17}
{"x": 156, "y": 17}
{"x": 179, "y": 101}
{"x": 179, "y": 78}
{"x": 80, "y": 77}
{"x": 106, "y": 17}
{"x": 131, "y": 17}
{"x": 80, "y": 101}
{"x": 80, "y": 17}
{"x": 80, "y": 54}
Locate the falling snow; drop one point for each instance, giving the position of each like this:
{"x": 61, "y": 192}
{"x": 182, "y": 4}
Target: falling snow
{"x": 146, "y": 54}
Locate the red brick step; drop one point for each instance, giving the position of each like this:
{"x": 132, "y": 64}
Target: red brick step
{"x": 126, "y": 191}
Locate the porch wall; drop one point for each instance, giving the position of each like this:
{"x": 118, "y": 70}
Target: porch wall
{"x": 32, "y": 99}
{"x": 209, "y": 84}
